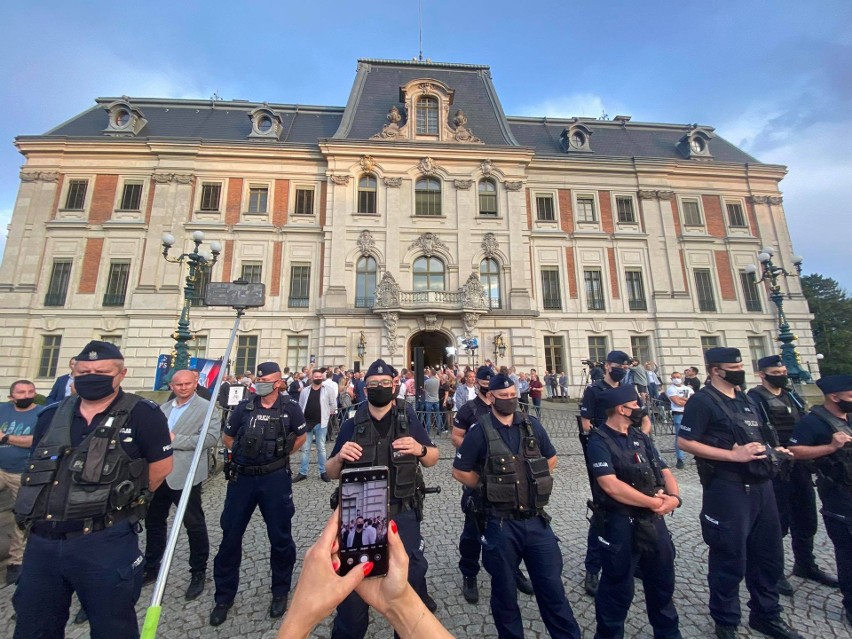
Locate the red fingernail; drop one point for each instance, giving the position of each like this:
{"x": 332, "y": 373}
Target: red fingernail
{"x": 335, "y": 565}
{"x": 393, "y": 526}
{"x": 368, "y": 568}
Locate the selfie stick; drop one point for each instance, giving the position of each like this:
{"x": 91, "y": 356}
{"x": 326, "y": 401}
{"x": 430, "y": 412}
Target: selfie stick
{"x": 152, "y": 616}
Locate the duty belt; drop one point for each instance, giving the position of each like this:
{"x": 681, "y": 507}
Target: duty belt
{"x": 517, "y": 516}
{"x": 254, "y": 471}
{"x": 741, "y": 478}
{"x": 64, "y": 530}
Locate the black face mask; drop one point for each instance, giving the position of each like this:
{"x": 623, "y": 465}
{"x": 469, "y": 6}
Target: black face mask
{"x": 636, "y": 415}
{"x": 482, "y": 389}
{"x": 505, "y": 406}
{"x": 617, "y": 374}
{"x": 778, "y": 381}
{"x": 737, "y": 378}
{"x": 317, "y": 382}
{"x": 844, "y": 405}
{"x": 24, "y": 403}
{"x": 93, "y": 386}
{"x": 380, "y": 396}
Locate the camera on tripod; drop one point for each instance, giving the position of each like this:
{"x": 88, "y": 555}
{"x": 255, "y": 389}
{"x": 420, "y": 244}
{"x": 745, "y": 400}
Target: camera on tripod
{"x": 590, "y": 363}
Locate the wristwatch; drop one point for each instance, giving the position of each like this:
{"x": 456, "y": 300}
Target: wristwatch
{"x": 5, "y": 440}
{"x": 422, "y": 453}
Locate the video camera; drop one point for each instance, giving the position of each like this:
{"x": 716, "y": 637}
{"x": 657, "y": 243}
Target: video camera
{"x": 590, "y": 363}
{"x": 469, "y": 343}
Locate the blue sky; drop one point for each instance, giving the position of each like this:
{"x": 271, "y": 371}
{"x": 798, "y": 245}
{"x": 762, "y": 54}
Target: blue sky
{"x": 774, "y": 77}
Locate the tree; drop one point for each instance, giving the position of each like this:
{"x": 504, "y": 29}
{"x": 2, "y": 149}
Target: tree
{"x": 832, "y": 323}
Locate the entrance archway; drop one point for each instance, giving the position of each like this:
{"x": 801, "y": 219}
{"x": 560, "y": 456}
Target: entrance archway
{"x": 434, "y": 344}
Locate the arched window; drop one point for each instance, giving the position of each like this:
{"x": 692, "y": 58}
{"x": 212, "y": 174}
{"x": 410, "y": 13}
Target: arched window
{"x": 365, "y": 282}
{"x": 489, "y": 275}
{"x": 428, "y": 274}
{"x": 427, "y": 197}
{"x": 367, "y": 194}
{"x": 487, "y": 198}
{"x": 427, "y": 116}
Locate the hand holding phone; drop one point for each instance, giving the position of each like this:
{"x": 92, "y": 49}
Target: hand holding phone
{"x": 363, "y": 526}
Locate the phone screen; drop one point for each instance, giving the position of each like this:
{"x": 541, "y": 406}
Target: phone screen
{"x": 313, "y": 359}
{"x": 364, "y": 522}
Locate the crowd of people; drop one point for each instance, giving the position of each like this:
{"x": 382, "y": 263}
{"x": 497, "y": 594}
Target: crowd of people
{"x": 82, "y": 500}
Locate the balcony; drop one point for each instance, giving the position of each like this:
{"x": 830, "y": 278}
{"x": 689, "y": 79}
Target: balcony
{"x": 470, "y": 297}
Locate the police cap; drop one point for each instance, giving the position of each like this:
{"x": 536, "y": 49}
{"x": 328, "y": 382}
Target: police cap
{"x": 723, "y": 355}
{"x": 499, "y": 382}
{"x": 617, "y": 396}
{"x": 96, "y": 350}
{"x": 773, "y": 361}
{"x": 618, "y": 357}
{"x": 835, "y": 384}
{"x": 484, "y": 373}
{"x": 379, "y": 367}
{"x": 267, "y": 368}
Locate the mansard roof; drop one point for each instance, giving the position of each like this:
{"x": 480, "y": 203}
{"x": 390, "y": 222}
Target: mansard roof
{"x": 377, "y": 88}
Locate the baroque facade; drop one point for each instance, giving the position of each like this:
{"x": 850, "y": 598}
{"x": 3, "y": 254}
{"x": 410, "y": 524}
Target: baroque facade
{"x": 416, "y": 215}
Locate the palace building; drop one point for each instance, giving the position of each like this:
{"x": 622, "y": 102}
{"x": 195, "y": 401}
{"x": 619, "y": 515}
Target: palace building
{"x": 416, "y": 215}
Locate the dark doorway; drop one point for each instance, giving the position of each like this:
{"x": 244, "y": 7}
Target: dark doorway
{"x": 433, "y": 343}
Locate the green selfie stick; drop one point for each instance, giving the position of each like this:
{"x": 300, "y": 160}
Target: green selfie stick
{"x": 152, "y": 620}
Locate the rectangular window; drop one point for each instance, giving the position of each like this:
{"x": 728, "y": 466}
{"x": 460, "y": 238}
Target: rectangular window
{"x": 586, "y": 209}
{"x": 49, "y": 355}
{"x": 704, "y": 289}
{"x": 300, "y": 286}
{"x": 210, "y": 196}
{"x": 691, "y": 213}
{"x": 640, "y": 348}
{"x": 708, "y": 342}
{"x": 58, "y": 287}
{"x": 297, "y": 351}
{"x": 636, "y": 291}
{"x": 252, "y": 272}
{"x": 751, "y": 292}
{"x": 598, "y": 348}
{"x": 550, "y": 292}
{"x": 258, "y": 196}
{"x": 624, "y": 207}
{"x": 202, "y": 279}
{"x": 544, "y": 209}
{"x": 75, "y": 200}
{"x": 131, "y": 196}
{"x": 198, "y": 346}
{"x": 116, "y": 289}
{"x": 594, "y": 289}
{"x": 304, "y": 202}
{"x": 246, "y": 354}
{"x": 554, "y": 354}
{"x": 736, "y": 217}
{"x": 757, "y": 349}
{"x": 488, "y": 204}
{"x": 427, "y": 199}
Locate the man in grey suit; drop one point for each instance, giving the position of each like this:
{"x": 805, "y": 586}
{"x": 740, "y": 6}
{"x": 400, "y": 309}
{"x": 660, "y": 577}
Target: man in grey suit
{"x": 186, "y": 414}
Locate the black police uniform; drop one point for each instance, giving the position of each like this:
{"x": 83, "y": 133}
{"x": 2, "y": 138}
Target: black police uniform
{"x": 517, "y": 527}
{"x": 469, "y": 543}
{"x": 376, "y": 438}
{"x": 834, "y": 483}
{"x": 261, "y": 461}
{"x": 95, "y": 555}
{"x": 739, "y": 517}
{"x": 794, "y": 491}
{"x": 633, "y": 459}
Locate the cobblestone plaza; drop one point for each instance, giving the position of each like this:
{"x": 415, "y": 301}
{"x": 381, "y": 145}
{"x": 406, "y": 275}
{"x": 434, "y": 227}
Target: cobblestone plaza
{"x": 814, "y": 610}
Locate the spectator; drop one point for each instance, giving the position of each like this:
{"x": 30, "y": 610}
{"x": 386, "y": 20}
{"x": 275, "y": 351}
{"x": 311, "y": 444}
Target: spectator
{"x": 535, "y": 392}
{"x": 691, "y": 377}
{"x": 524, "y": 391}
{"x": 653, "y": 380}
{"x": 62, "y": 386}
{"x": 563, "y": 385}
{"x": 467, "y": 391}
{"x": 431, "y": 400}
{"x": 639, "y": 378}
{"x": 678, "y": 394}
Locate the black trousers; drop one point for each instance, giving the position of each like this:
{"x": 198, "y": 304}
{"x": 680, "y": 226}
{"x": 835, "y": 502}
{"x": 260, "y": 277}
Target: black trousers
{"x": 839, "y": 530}
{"x": 797, "y": 511}
{"x": 193, "y": 521}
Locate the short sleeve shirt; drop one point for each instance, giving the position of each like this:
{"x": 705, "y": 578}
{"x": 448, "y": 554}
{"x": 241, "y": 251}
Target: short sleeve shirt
{"x": 813, "y": 431}
{"x": 415, "y": 429}
{"x": 241, "y": 419}
{"x": 21, "y": 423}
{"x": 684, "y": 390}
{"x": 473, "y": 452}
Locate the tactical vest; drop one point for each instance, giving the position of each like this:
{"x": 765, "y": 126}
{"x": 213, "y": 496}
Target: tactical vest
{"x": 636, "y": 466}
{"x": 781, "y": 415}
{"x": 95, "y": 481}
{"x": 264, "y": 442}
{"x": 836, "y": 467}
{"x": 378, "y": 451}
{"x": 515, "y": 483}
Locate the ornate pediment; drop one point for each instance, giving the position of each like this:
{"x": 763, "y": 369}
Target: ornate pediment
{"x": 428, "y": 243}
{"x": 489, "y": 245}
{"x": 366, "y": 243}
{"x": 473, "y": 293}
{"x": 387, "y": 292}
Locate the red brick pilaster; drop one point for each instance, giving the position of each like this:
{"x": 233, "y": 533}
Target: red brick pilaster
{"x": 613, "y": 273}
{"x": 91, "y": 264}
{"x": 281, "y": 201}
{"x": 726, "y": 278}
{"x": 566, "y": 213}
{"x": 59, "y": 183}
{"x": 713, "y": 215}
{"x": 227, "y": 260}
{"x": 571, "y": 266}
{"x": 235, "y": 197}
{"x": 277, "y": 252}
{"x": 607, "y": 223}
{"x": 103, "y": 198}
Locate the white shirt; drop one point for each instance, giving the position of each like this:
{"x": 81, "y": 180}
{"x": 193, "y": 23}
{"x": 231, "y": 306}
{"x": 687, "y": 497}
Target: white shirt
{"x": 684, "y": 390}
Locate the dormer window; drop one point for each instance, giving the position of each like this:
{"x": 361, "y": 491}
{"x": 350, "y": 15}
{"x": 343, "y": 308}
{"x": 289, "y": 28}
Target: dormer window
{"x": 124, "y": 119}
{"x": 576, "y": 138}
{"x": 265, "y": 123}
{"x": 427, "y": 116}
{"x": 695, "y": 144}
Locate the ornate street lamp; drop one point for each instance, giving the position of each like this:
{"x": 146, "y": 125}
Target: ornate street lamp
{"x": 771, "y": 274}
{"x": 362, "y": 347}
{"x": 499, "y": 347}
{"x": 197, "y": 262}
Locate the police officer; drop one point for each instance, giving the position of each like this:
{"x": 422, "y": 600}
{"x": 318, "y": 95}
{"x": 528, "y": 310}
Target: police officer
{"x": 633, "y": 490}
{"x": 510, "y": 456}
{"x": 825, "y": 436}
{"x": 82, "y": 497}
{"x": 782, "y": 408}
{"x": 263, "y": 431}
{"x": 592, "y": 415}
{"x": 385, "y": 432}
{"x": 739, "y": 518}
{"x": 469, "y": 542}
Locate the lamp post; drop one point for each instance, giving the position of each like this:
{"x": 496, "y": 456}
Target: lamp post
{"x": 499, "y": 347}
{"x": 771, "y": 274}
{"x": 197, "y": 263}
{"x": 362, "y": 347}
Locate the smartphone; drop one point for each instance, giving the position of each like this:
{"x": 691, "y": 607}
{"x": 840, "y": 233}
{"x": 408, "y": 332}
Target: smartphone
{"x": 313, "y": 359}
{"x": 363, "y": 531}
